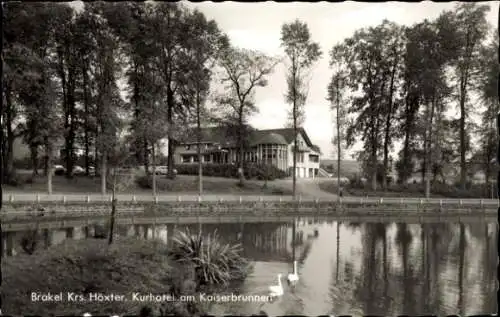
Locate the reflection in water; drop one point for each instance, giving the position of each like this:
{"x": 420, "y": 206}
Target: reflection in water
{"x": 352, "y": 269}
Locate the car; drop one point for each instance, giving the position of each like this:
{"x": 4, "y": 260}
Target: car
{"x": 78, "y": 170}
{"x": 59, "y": 170}
{"x": 161, "y": 170}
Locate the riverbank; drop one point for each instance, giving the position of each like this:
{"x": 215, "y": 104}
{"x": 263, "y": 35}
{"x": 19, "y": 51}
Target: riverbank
{"x": 409, "y": 190}
{"x": 118, "y": 279}
{"x": 22, "y": 216}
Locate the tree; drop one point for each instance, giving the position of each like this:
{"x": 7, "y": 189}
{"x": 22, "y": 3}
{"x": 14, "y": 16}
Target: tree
{"x": 108, "y": 100}
{"x": 204, "y": 45}
{"x": 31, "y": 90}
{"x": 471, "y": 27}
{"x": 337, "y": 89}
{"x": 301, "y": 52}
{"x": 488, "y": 88}
{"x": 366, "y": 77}
{"x": 244, "y": 70}
{"x": 169, "y": 40}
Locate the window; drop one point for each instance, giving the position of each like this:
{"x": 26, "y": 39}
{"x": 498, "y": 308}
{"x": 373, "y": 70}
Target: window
{"x": 186, "y": 159}
{"x": 195, "y": 158}
{"x": 188, "y": 147}
{"x": 300, "y": 157}
{"x": 206, "y": 158}
{"x": 313, "y": 158}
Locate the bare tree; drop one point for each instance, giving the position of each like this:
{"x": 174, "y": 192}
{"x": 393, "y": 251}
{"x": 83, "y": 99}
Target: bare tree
{"x": 244, "y": 70}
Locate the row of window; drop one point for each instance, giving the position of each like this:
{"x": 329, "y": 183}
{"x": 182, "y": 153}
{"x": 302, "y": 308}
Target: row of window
{"x": 252, "y": 157}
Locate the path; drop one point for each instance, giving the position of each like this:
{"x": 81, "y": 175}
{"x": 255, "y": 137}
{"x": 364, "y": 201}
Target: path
{"x": 308, "y": 188}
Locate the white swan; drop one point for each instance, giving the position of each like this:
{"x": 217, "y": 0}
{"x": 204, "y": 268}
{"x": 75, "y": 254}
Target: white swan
{"x": 293, "y": 277}
{"x": 87, "y": 315}
{"x": 276, "y": 290}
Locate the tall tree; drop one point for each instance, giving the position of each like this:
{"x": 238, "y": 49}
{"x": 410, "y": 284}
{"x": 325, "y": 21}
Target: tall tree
{"x": 302, "y": 53}
{"x": 168, "y": 22}
{"x": 244, "y": 70}
{"x": 109, "y": 103}
{"x": 471, "y": 27}
{"x": 488, "y": 89}
{"x": 203, "y": 48}
{"x": 337, "y": 90}
{"x": 366, "y": 76}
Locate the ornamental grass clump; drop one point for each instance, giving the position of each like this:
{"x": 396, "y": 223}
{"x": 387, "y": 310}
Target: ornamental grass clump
{"x": 214, "y": 262}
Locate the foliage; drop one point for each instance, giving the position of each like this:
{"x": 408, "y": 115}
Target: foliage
{"x": 91, "y": 266}
{"x": 214, "y": 261}
{"x": 251, "y": 170}
{"x": 301, "y": 53}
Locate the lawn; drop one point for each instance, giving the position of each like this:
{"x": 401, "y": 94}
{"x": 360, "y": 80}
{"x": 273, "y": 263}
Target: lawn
{"x": 408, "y": 190}
{"x": 185, "y": 184}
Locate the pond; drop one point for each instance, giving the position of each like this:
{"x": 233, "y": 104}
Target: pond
{"x": 345, "y": 268}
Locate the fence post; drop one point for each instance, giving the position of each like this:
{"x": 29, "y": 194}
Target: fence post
{"x": 240, "y": 200}
{"x": 11, "y": 198}
{"x": 134, "y": 199}
{"x": 460, "y": 202}
{"x": 199, "y": 198}
{"x": 88, "y": 199}
{"x": 156, "y": 199}
{"x": 37, "y": 198}
{"x": 64, "y": 199}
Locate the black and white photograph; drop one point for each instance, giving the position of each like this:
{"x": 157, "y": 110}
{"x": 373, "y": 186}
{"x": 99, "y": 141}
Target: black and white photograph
{"x": 249, "y": 159}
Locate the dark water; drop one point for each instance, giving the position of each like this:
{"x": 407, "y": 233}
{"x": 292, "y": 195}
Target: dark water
{"x": 352, "y": 269}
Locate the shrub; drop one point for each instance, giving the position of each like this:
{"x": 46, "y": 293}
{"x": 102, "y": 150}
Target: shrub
{"x": 251, "y": 170}
{"x": 84, "y": 266}
{"x": 214, "y": 262}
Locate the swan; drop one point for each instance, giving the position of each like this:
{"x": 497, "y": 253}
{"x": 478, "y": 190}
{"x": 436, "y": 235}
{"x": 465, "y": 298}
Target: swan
{"x": 293, "y": 277}
{"x": 87, "y": 315}
{"x": 276, "y": 290}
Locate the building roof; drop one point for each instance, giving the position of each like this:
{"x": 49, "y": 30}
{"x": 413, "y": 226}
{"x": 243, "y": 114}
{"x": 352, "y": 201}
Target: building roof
{"x": 226, "y": 137}
{"x": 271, "y": 138}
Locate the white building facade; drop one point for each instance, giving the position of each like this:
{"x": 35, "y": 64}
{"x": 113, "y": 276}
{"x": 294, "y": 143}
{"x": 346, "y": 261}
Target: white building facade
{"x": 273, "y": 147}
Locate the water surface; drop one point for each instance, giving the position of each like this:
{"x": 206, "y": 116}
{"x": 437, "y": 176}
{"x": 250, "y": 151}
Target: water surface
{"x": 349, "y": 268}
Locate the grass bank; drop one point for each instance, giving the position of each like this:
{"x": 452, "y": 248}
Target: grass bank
{"x": 408, "y": 190}
{"x": 127, "y": 266}
{"x": 185, "y": 184}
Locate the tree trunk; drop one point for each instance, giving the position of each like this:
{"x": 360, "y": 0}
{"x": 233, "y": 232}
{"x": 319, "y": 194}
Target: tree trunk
{"x": 170, "y": 121}
{"x": 463, "y": 163}
{"x": 113, "y": 210}
{"x": 198, "y": 143}
{"x": 86, "y": 131}
{"x": 374, "y": 169}
{"x": 428, "y": 150}
{"x": 153, "y": 161}
{"x": 339, "y": 156}
{"x": 294, "y": 114}
{"x": 146, "y": 157}
{"x": 241, "y": 173}
{"x": 50, "y": 170}
{"x": 388, "y": 127}
{"x": 103, "y": 172}
{"x": 34, "y": 159}
{"x": 8, "y": 155}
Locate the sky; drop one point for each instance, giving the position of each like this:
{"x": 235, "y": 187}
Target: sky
{"x": 258, "y": 26}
